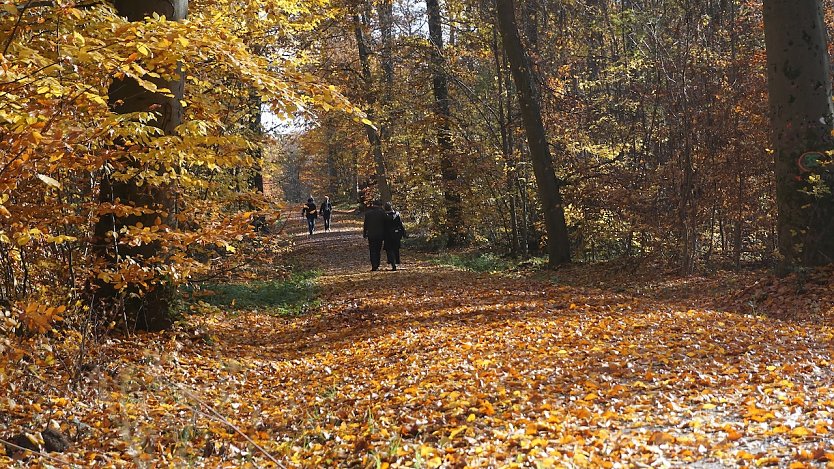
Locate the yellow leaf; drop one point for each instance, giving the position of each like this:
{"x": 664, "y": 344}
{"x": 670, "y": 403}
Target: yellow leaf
{"x": 801, "y": 432}
{"x": 457, "y": 431}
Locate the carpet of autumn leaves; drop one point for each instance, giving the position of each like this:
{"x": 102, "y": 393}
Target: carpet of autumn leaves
{"x": 435, "y": 367}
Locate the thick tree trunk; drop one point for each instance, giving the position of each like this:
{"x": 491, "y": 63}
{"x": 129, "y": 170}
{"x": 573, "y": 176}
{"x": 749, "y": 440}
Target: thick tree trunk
{"x": 150, "y": 310}
{"x": 455, "y": 230}
{"x": 372, "y": 132}
{"x": 802, "y": 118}
{"x": 558, "y": 245}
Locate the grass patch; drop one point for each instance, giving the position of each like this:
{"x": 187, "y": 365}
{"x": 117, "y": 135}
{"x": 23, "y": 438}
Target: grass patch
{"x": 291, "y": 296}
{"x": 476, "y": 263}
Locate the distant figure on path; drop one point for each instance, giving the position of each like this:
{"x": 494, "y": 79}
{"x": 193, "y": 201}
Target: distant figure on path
{"x": 326, "y": 210}
{"x": 311, "y": 213}
{"x": 394, "y": 232}
{"x": 374, "y": 230}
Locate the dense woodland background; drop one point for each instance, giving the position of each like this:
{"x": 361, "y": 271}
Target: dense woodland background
{"x": 654, "y": 114}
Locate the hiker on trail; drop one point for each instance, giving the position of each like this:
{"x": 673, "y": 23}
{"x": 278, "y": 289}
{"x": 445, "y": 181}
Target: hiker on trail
{"x": 374, "y": 230}
{"x": 394, "y": 232}
{"x": 326, "y": 210}
{"x": 311, "y": 213}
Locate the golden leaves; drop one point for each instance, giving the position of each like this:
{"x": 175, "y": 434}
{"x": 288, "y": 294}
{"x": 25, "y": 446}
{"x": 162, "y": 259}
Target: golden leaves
{"x": 39, "y": 317}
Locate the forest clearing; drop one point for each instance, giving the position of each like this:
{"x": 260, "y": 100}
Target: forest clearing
{"x": 616, "y": 220}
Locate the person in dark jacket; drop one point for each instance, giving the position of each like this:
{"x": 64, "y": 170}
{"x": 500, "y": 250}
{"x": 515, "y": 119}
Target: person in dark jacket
{"x": 326, "y": 210}
{"x": 394, "y": 232}
{"x": 311, "y": 213}
{"x": 374, "y": 230}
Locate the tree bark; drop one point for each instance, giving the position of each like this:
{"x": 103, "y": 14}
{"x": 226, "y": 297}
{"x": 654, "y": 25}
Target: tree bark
{"x": 455, "y": 229}
{"x": 802, "y": 118}
{"x": 558, "y": 245}
{"x": 372, "y": 132}
{"x": 153, "y": 309}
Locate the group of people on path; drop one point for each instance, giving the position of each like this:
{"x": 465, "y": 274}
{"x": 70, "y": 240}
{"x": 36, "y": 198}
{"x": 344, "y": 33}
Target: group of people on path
{"x": 311, "y": 212}
{"x": 383, "y": 227}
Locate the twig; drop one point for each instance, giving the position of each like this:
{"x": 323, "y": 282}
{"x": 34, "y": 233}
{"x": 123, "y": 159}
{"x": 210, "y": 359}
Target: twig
{"x": 219, "y": 273}
{"x": 218, "y": 416}
{"x": 16, "y": 25}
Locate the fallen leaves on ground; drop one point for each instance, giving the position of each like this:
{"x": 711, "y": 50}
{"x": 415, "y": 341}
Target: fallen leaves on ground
{"x": 430, "y": 367}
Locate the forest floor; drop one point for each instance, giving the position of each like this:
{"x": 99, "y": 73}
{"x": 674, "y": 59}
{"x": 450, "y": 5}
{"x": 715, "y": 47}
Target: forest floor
{"x": 432, "y": 366}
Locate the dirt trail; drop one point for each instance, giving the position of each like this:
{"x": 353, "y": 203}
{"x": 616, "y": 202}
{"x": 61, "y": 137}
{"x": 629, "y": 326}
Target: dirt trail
{"x": 438, "y": 367}
{"x": 434, "y": 367}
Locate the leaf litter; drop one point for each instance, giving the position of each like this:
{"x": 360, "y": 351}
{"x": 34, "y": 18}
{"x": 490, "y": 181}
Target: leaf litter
{"x": 435, "y": 367}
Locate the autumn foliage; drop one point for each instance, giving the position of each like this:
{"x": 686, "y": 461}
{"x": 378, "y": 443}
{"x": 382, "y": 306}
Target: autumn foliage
{"x": 667, "y": 343}
{"x": 59, "y": 138}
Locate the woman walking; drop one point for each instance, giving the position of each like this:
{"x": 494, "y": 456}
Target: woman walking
{"x": 326, "y": 210}
{"x": 394, "y": 232}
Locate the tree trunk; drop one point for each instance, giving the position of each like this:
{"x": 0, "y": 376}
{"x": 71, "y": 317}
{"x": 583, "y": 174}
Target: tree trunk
{"x": 150, "y": 310}
{"x": 558, "y": 245}
{"x": 372, "y": 132}
{"x": 455, "y": 230}
{"x": 506, "y": 143}
{"x": 802, "y": 118}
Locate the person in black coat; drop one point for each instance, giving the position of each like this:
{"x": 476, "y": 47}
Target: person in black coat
{"x": 311, "y": 213}
{"x": 326, "y": 210}
{"x": 394, "y": 232}
{"x": 374, "y": 230}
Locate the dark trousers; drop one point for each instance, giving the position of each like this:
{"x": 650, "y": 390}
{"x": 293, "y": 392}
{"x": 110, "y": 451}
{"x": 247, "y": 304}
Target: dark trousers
{"x": 326, "y": 222}
{"x": 392, "y": 251}
{"x": 375, "y": 245}
{"x": 311, "y": 224}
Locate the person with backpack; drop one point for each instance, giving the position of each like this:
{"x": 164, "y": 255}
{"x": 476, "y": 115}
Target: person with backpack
{"x": 326, "y": 210}
{"x": 311, "y": 213}
{"x": 394, "y": 232}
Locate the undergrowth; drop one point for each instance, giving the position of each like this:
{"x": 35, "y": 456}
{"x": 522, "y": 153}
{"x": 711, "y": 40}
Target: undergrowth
{"x": 290, "y": 296}
{"x": 476, "y": 263}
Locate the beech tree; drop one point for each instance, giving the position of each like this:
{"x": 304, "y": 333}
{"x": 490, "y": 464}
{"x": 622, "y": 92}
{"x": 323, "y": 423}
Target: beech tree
{"x": 558, "y": 243}
{"x": 455, "y": 228}
{"x": 802, "y": 120}
{"x": 152, "y": 203}
{"x": 372, "y": 132}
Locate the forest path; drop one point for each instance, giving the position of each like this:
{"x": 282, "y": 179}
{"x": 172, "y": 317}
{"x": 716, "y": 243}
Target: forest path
{"x": 430, "y": 367}
{"x": 434, "y": 366}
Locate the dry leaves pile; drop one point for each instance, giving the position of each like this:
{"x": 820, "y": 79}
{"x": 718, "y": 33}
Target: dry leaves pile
{"x": 431, "y": 367}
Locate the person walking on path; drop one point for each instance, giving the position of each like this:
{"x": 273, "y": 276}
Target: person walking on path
{"x": 311, "y": 213}
{"x": 374, "y": 230}
{"x": 326, "y": 210}
{"x": 394, "y": 232}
